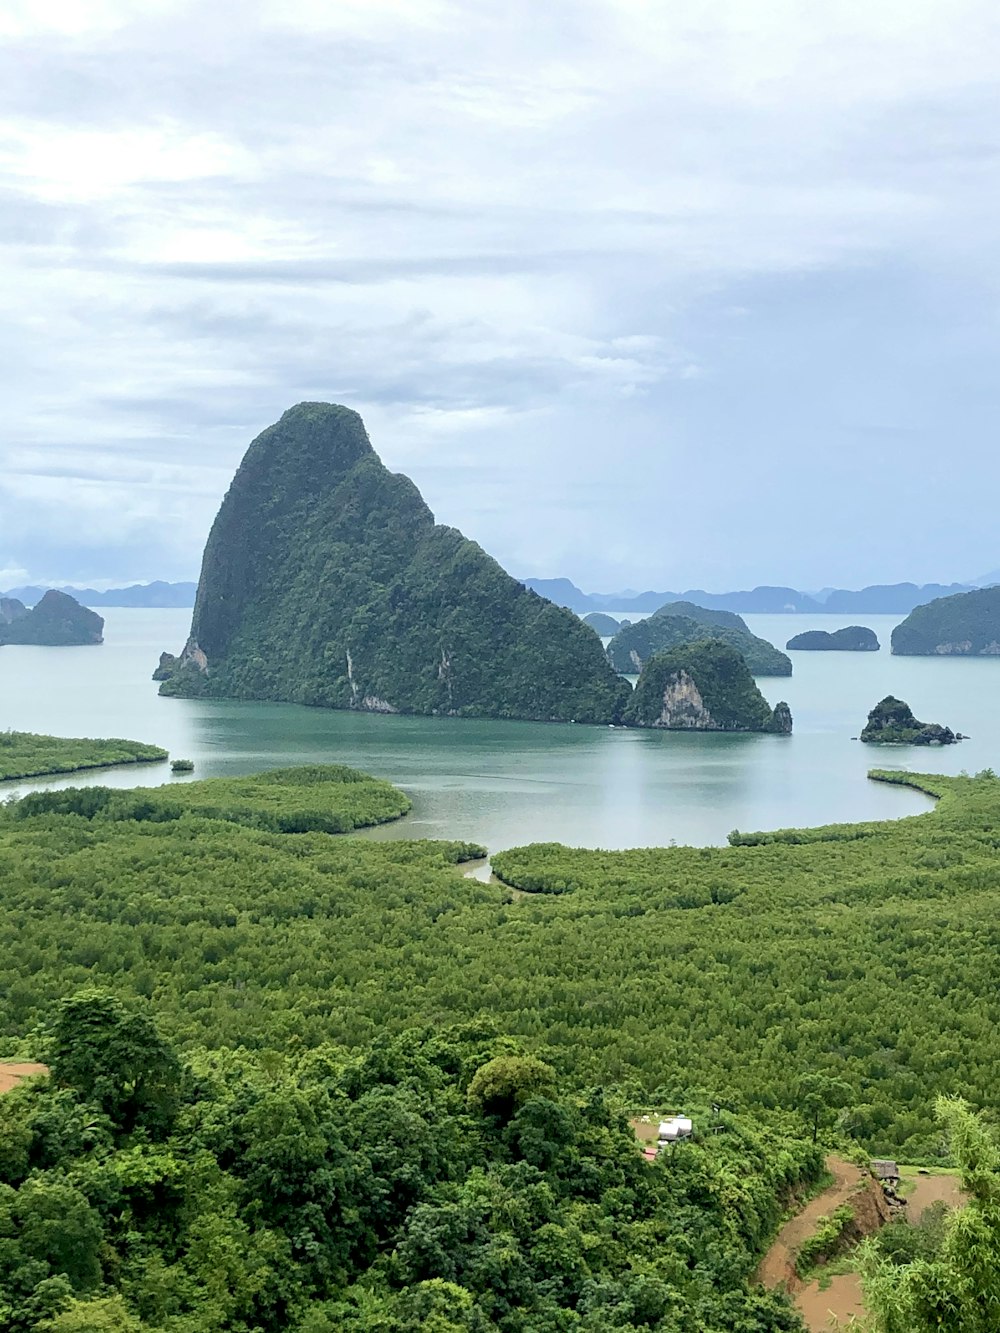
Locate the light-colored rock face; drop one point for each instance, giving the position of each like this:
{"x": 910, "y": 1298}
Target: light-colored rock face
{"x": 683, "y": 706}
{"x": 954, "y": 649}
{"x": 373, "y": 704}
{"x": 194, "y": 653}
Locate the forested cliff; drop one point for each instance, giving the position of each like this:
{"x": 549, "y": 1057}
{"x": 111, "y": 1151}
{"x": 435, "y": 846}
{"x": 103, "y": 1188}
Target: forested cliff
{"x": 326, "y": 581}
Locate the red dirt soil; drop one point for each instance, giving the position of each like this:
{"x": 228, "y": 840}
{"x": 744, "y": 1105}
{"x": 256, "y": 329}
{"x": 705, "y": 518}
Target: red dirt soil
{"x": 922, "y": 1191}
{"x": 777, "y": 1268}
{"x": 11, "y": 1075}
{"x": 841, "y": 1299}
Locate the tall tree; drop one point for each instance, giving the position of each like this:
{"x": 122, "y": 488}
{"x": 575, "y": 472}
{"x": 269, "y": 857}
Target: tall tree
{"x": 114, "y": 1056}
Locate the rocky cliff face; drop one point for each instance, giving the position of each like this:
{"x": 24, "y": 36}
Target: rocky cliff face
{"x": 704, "y": 686}
{"x": 683, "y": 707}
{"x": 326, "y": 581}
{"x": 57, "y": 621}
{"x": 11, "y": 609}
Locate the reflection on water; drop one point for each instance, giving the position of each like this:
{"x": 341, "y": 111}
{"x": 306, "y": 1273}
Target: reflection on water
{"x": 503, "y": 783}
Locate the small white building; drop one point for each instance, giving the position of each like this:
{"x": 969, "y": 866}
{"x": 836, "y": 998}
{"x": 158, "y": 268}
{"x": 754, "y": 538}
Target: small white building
{"x": 677, "y": 1127}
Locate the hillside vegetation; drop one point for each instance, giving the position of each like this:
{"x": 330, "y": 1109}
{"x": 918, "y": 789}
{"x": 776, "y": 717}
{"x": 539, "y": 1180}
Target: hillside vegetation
{"x": 57, "y": 621}
{"x": 441, "y": 1181}
{"x": 966, "y": 625}
{"x": 326, "y": 581}
{"x": 634, "y": 645}
{"x": 863, "y": 952}
{"x": 26, "y": 754}
{"x": 850, "y": 639}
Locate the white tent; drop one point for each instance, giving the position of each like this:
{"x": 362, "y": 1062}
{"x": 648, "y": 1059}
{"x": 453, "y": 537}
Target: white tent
{"x": 678, "y": 1127}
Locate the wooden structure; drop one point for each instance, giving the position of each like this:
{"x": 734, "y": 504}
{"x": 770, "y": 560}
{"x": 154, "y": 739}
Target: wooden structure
{"x": 885, "y": 1171}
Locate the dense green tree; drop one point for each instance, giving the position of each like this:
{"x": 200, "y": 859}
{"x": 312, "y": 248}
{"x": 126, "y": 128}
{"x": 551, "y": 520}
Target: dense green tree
{"x": 272, "y": 1206}
{"x": 50, "y": 1241}
{"x": 115, "y": 1058}
{"x": 504, "y": 1084}
{"x": 819, "y": 1097}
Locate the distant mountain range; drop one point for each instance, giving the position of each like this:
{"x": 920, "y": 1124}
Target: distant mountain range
{"x": 156, "y": 594}
{"x": 878, "y": 599}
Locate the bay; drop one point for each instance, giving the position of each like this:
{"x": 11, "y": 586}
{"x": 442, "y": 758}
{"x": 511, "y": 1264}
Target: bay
{"x": 505, "y": 783}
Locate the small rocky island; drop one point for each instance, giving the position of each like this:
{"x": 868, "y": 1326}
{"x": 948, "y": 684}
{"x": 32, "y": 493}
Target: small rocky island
{"x": 851, "y": 639}
{"x": 604, "y": 625}
{"x": 966, "y": 624}
{"x": 891, "y": 722}
{"x": 57, "y": 621}
{"x": 703, "y": 686}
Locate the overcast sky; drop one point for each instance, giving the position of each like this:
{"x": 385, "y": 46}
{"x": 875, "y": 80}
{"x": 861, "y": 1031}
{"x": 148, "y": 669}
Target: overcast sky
{"x": 643, "y": 294}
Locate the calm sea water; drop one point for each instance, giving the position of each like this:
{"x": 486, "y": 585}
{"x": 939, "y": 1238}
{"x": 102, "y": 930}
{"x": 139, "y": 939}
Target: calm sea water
{"x": 504, "y": 783}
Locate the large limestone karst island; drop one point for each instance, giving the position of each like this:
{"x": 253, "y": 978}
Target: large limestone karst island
{"x": 56, "y": 621}
{"x": 678, "y": 623}
{"x": 965, "y": 625}
{"x": 705, "y": 686}
{"x": 326, "y": 581}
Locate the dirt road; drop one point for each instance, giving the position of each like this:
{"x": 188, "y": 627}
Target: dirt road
{"x": 11, "y": 1075}
{"x": 923, "y": 1191}
{"x": 778, "y": 1265}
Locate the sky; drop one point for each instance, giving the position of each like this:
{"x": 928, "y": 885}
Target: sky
{"x": 642, "y": 295}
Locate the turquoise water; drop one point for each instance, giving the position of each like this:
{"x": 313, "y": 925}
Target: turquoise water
{"x": 504, "y": 783}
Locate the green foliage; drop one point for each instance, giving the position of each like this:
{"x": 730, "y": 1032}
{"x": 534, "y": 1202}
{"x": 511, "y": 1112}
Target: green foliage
{"x": 114, "y": 1058}
{"x": 326, "y": 581}
{"x": 827, "y": 1240}
{"x": 104, "y": 1314}
{"x": 965, "y": 624}
{"x": 891, "y": 722}
{"x": 313, "y": 798}
{"x": 505, "y": 1083}
{"x": 317, "y": 1193}
{"x": 634, "y": 645}
{"x": 954, "y": 1284}
{"x": 57, "y": 621}
{"x": 182, "y": 766}
{"x": 819, "y": 1097}
{"x": 708, "y": 686}
{"x": 734, "y": 970}
{"x": 23, "y": 754}
{"x": 905, "y": 1242}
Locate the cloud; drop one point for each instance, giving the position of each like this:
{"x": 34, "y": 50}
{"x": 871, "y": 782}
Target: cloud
{"x": 613, "y": 250}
